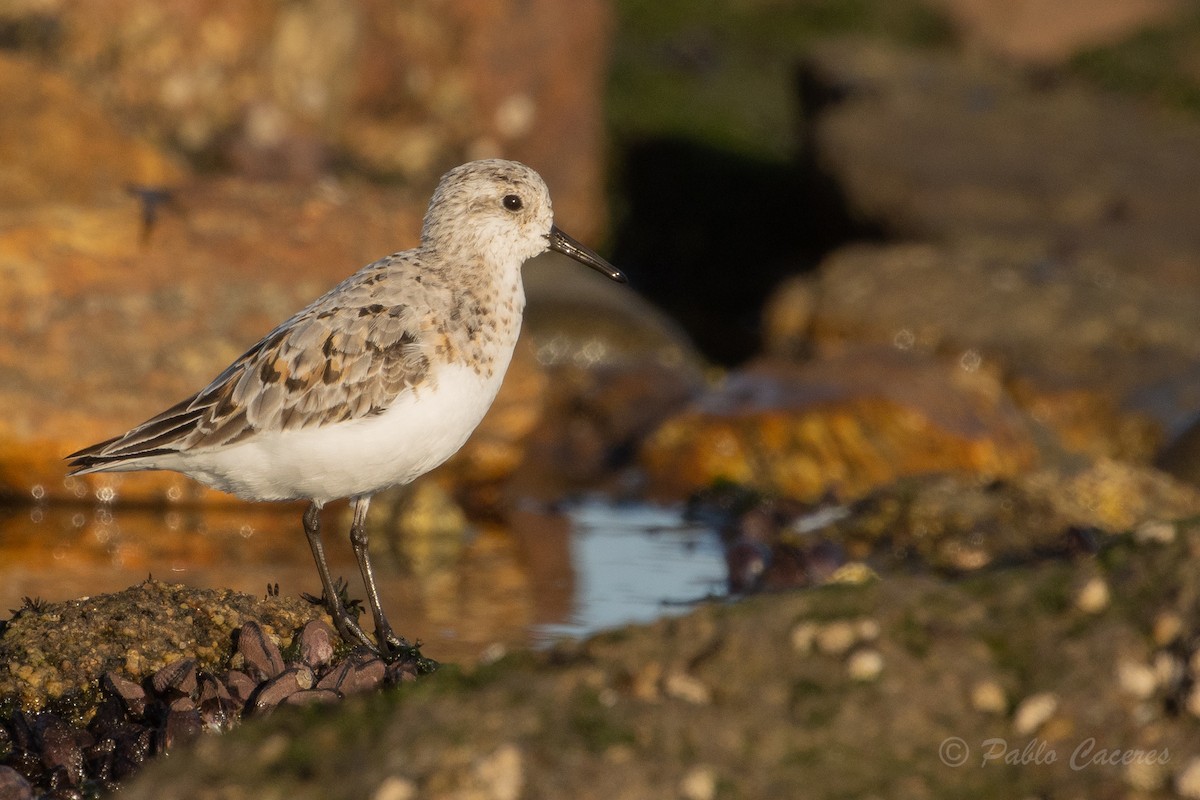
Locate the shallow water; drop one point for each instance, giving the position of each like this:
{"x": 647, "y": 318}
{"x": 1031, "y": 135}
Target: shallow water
{"x": 537, "y": 578}
{"x": 634, "y": 564}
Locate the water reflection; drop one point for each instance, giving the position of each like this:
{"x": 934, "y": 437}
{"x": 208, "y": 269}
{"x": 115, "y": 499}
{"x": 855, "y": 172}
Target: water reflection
{"x": 538, "y": 577}
{"x": 633, "y": 564}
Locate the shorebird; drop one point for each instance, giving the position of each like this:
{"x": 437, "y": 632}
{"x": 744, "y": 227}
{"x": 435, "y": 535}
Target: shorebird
{"x": 374, "y": 383}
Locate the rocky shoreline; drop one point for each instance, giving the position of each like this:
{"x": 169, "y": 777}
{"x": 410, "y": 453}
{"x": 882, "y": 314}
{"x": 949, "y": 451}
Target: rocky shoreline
{"x": 955, "y": 484}
{"x": 857, "y": 686}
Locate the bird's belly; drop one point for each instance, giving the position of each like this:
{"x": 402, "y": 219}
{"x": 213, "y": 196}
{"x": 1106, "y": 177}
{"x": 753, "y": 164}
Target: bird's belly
{"x": 419, "y": 431}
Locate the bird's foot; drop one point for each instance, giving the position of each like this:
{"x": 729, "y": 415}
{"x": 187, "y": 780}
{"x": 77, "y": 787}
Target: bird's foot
{"x": 349, "y": 629}
{"x": 393, "y": 647}
{"x": 344, "y": 613}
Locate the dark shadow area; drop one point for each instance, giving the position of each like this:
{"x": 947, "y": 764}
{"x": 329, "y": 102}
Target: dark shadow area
{"x": 707, "y": 234}
{"x": 31, "y": 34}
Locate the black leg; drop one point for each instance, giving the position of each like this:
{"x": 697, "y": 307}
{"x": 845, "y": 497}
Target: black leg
{"x": 388, "y": 641}
{"x": 345, "y": 623}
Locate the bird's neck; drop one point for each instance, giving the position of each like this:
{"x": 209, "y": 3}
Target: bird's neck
{"x": 487, "y": 300}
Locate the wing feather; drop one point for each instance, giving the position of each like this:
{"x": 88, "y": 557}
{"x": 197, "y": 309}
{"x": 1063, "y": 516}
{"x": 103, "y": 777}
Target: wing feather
{"x": 346, "y": 356}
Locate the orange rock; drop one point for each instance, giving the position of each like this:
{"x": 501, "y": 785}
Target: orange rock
{"x": 104, "y": 321}
{"x": 844, "y": 424}
{"x": 102, "y": 331}
{"x": 281, "y": 89}
{"x": 122, "y": 329}
{"x": 58, "y": 145}
{"x": 1086, "y": 420}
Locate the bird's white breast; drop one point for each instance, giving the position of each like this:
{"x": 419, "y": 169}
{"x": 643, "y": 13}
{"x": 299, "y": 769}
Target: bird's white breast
{"x": 419, "y": 431}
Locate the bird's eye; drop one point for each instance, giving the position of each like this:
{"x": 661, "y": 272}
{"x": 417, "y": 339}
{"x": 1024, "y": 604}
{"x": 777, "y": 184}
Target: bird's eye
{"x": 512, "y": 202}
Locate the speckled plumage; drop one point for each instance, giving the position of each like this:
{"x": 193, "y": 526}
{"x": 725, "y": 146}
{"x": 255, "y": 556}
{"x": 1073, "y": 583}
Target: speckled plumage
{"x": 348, "y": 355}
{"x": 386, "y": 331}
{"x": 379, "y": 380}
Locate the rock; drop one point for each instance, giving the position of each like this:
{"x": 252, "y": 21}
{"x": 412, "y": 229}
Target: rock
{"x": 923, "y": 142}
{"x": 1156, "y": 530}
{"x": 843, "y": 424}
{"x": 60, "y": 146}
{"x": 854, "y": 573}
{"x": 700, "y": 783}
{"x": 1170, "y": 671}
{"x": 109, "y": 301}
{"x": 1181, "y": 457}
{"x": 787, "y": 317}
{"x": 947, "y": 523}
{"x": 867, "y": 630}
{"x": 836, "y": 638}
{"x": 1146, "y": 774}
{"x": 1115, "y": 496}
{"x": 1137, "y": 679}
{"x": 105, "y": 313}
{"x": 1033, "y": 712}
{"x": 1071, "y": 281}
{"x": 1187, "y": 782}
{"x": 804, "y": 636}
{"x": 688, "y": 688}
{"x": 592, "y": 721}
{"x": 59, "y": 650}
{"x": 1094, "y": 597}
{"x": 108, "y": 313}
{"x": 1192, "y": 702}
{"x": 395, "y": 787}
{"x": 865, "y": 665}
{"x": 1081, "y": 369}
{"x": 1167, "y": 629}
{"x": 501, "y": 774}
{"x": 1046, "y": 32}
{"x": 747, "y": 563}
{"x": 281, "y": 89}
{"x": 765, "y": 543}
{"x": 60, "y": 753}
{"x": 594, "y": 421}
{"x": 989, "y": 697}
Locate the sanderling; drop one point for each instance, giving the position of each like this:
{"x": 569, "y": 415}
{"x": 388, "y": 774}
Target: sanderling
{"x": 376, "y": 382}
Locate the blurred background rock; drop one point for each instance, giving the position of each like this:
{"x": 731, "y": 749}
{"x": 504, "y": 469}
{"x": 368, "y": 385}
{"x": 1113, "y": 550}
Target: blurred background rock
{"x": 958, "y": 178}
{"x": 932, "y": 264}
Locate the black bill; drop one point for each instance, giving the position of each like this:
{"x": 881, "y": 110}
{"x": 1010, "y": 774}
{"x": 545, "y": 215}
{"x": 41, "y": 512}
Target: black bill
{"x": 561, "y": 243}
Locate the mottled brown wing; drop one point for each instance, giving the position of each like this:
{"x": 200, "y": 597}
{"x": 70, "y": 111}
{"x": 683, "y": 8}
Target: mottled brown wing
{"x": 346, "y": 356}
{"x": 339, "y": 364}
